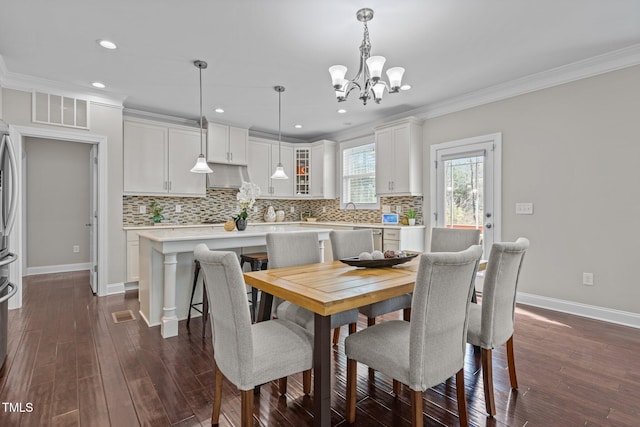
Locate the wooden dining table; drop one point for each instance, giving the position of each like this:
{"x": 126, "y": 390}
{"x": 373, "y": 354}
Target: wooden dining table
{"x": 325, "y": 289}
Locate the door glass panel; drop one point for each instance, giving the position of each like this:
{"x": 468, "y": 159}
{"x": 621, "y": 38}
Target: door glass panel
{"x": 464, "y": 192}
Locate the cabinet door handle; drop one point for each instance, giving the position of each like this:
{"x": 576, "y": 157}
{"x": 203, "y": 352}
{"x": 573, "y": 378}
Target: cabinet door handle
{"x": 228, "y": 156}
{"x": 231, "y": 156}
{"x": 169, "y": 185}
{"x": 164, "y": 185}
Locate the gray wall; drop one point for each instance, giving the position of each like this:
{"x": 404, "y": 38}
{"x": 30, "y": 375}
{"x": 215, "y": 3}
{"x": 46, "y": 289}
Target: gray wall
{"x": 57, "y": 201}
{"x": 574, "y": 151}
{"x": 106, "y": 120}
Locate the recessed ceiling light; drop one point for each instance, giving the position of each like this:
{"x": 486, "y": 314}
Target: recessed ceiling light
{"x": 405, "y": 87}
{"x": 99, "y": 85}
{"x": 297, "y": 126}
{"x": 219, "y": 110}
{"x": 107, "y": 44}
{"x": 342, "y": 111}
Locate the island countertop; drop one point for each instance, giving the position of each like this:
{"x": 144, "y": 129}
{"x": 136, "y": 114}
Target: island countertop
{"x": 166, "y": 265}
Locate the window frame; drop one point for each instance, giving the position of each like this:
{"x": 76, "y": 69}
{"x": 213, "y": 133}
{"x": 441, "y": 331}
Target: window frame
{"x": 369, "y": 140}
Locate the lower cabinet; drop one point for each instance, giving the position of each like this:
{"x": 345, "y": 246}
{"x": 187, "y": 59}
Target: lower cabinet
{"x": 403, "y": 238}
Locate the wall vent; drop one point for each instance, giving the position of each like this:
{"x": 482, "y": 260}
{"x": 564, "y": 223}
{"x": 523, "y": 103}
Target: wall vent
{"x": 60, "y": 110}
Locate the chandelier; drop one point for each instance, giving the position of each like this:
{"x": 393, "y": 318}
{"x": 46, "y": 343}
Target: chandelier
{"x": 370, "y": 71}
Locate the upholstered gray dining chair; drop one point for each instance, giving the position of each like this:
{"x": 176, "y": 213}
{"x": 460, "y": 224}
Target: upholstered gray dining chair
{"x": 244, "y": 353}
{"x": 300, "y": 248}
{"x": 430, "y": 347}
{"x": 442, "y": 240}
{"x": 491, "y": 323}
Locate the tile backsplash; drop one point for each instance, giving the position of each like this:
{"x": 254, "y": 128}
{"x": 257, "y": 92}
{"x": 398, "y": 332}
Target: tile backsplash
{"x": 220, "y": 205}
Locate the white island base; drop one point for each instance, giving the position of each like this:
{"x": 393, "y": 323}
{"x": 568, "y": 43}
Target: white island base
{"x": 166, "y": 266}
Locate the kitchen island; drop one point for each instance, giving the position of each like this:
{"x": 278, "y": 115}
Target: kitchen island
{"x": 166, "y": 265}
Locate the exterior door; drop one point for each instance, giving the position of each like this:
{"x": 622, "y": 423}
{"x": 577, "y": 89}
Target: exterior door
{"x": 466, "y": 186}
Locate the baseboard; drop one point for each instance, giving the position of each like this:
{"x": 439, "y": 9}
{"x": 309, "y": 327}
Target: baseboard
{"x": 62, "y": 268}
{"x": 619, "y": 317}
{"x": 131, "y": 286}
{"x": 115, "y": 288}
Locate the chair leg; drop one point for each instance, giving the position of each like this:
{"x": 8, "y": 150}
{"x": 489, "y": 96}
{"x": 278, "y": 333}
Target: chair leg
{"x": 217, "y": 397}
{"x": 396, "y": 387}
{"x": 487, "y": 380}
{"x": 205, "y": 309}
{"x": 416, "y": 408}
{"x": 352, "y": 368}
{"x": 511, "y": 361}
{"x": 246, "y": 419}
{"x": 353, "y": 327}
{"x": 406, "y": 314}
{"x": 336, "y": 335}
{"x": 462, "y": 401}
{"x": 306, "y": 381}
{"x": 193, "y": 291}
{"x": 371, "y": 321}
{"x": 282, "y": 386}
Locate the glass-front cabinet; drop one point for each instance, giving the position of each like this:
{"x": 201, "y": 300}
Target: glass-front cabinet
{"x": 301, "y": 172}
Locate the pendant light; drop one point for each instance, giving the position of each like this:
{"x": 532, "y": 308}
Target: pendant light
{"x": 279, "y": 172}
{"x": 201, "y": 165}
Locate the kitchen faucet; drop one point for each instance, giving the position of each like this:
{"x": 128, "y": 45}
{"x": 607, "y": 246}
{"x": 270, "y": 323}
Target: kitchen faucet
{"x": 346, "y": 208}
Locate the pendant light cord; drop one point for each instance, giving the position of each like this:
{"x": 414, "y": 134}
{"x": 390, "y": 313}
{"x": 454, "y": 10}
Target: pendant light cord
{"x": 279, "y": 127}
{"x": 201, "y": 150}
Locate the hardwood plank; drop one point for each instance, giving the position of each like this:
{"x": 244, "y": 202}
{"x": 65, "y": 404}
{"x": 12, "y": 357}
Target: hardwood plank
{"x": 70, "y": 419}
{"x": 92, "y": 403}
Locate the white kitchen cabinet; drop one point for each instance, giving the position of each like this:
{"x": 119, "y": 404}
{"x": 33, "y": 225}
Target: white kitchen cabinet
{"x": 323, "y": 170}
{"x": 227, "y": 144}
{"x": 158, "y": 158}
{"x": 403, "y": 238}
{"x": 262, "y": 158}
{"x": 133, "y": 259}
{"x": 399, "y": 158}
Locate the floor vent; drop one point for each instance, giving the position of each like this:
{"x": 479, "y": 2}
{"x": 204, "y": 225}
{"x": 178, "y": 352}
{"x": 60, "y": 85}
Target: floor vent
{"x": 122, "y": 316}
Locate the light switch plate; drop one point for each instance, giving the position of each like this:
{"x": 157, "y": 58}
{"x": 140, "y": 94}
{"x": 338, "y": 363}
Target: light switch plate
{"x": 524, "y": 208}
{"x": 178, "y": 208}
{"x": 386, "y": 209}
{"x": 142, "y": 209}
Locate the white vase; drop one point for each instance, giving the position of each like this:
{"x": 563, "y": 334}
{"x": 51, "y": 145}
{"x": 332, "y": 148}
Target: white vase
{"x": 270, "y": 214}
{"x": 280, "y": 216}
{"x": 412, "y": 221}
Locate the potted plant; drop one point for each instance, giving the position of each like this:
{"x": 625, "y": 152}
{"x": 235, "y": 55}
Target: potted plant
{"x": 246, "y": 198}
{"x": 156, "y": 211}
{"x": 411, "y": 216}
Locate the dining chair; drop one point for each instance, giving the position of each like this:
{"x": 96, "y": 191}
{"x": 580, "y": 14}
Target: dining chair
{"x": 300, "y": 248}
{"x": 491, "y": 322}
{"x": 430, "y": 347}
{"x": 442, "y": 240}
{"x": 248, "y": 354}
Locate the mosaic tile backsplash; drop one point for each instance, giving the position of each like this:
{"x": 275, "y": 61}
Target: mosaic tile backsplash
{"x": 221, "y": 205}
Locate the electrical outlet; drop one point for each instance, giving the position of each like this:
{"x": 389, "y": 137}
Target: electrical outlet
{"x": 324, "y": 209}
{"x": 524, "y": 208}
{"x": 292, "y": 209}
{"x": 398, "y": 209}
{"x": 587, "y": 279}
{"x": 76, "y": 249}
{"x": 142, "y": 209}
{"x": 386, "y": 209}
{"x": 178, "y": 208}
{"x": 255, "y": 209}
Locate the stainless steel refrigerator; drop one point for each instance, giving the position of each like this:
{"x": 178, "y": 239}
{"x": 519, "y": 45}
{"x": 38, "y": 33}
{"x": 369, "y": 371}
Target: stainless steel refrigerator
{"x": 8, "y": 206}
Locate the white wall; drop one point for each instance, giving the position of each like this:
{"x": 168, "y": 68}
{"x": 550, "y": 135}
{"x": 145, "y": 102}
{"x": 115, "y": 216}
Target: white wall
{"x": 57, "y": 200}
{"x": 573, "y": 151}
{"x": 106, "y": 120}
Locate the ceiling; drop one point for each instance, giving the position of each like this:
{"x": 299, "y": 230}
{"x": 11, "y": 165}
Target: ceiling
{"x": 449, "y": 48}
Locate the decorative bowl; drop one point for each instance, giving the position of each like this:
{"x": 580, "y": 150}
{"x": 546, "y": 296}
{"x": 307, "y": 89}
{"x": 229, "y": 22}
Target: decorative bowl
{"x": 378, "y": 263}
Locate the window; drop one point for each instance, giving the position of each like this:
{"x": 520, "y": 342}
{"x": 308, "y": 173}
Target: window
{"x": 359, "y": 176}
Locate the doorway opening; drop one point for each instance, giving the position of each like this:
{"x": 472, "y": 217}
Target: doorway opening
{"x": 94, "y": 212}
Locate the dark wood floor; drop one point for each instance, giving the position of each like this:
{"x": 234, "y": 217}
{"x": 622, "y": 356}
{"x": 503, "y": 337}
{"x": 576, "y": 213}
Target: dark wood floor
{"x": 75, "y": 366}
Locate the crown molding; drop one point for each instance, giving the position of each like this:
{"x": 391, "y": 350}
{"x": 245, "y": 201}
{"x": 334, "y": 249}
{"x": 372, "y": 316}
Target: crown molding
{"x": 26, "y": 83}
{"x": 601, "y": 64}
{"x": 131, "y": 112}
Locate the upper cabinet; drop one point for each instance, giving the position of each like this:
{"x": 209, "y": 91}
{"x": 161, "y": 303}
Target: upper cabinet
{"x": 323, "y": 170}
{"x": 262, "y": 158}
{"x": 158, "y": 158}
{"x": 227, "y": 144}
{"x": 399, "y": 158}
